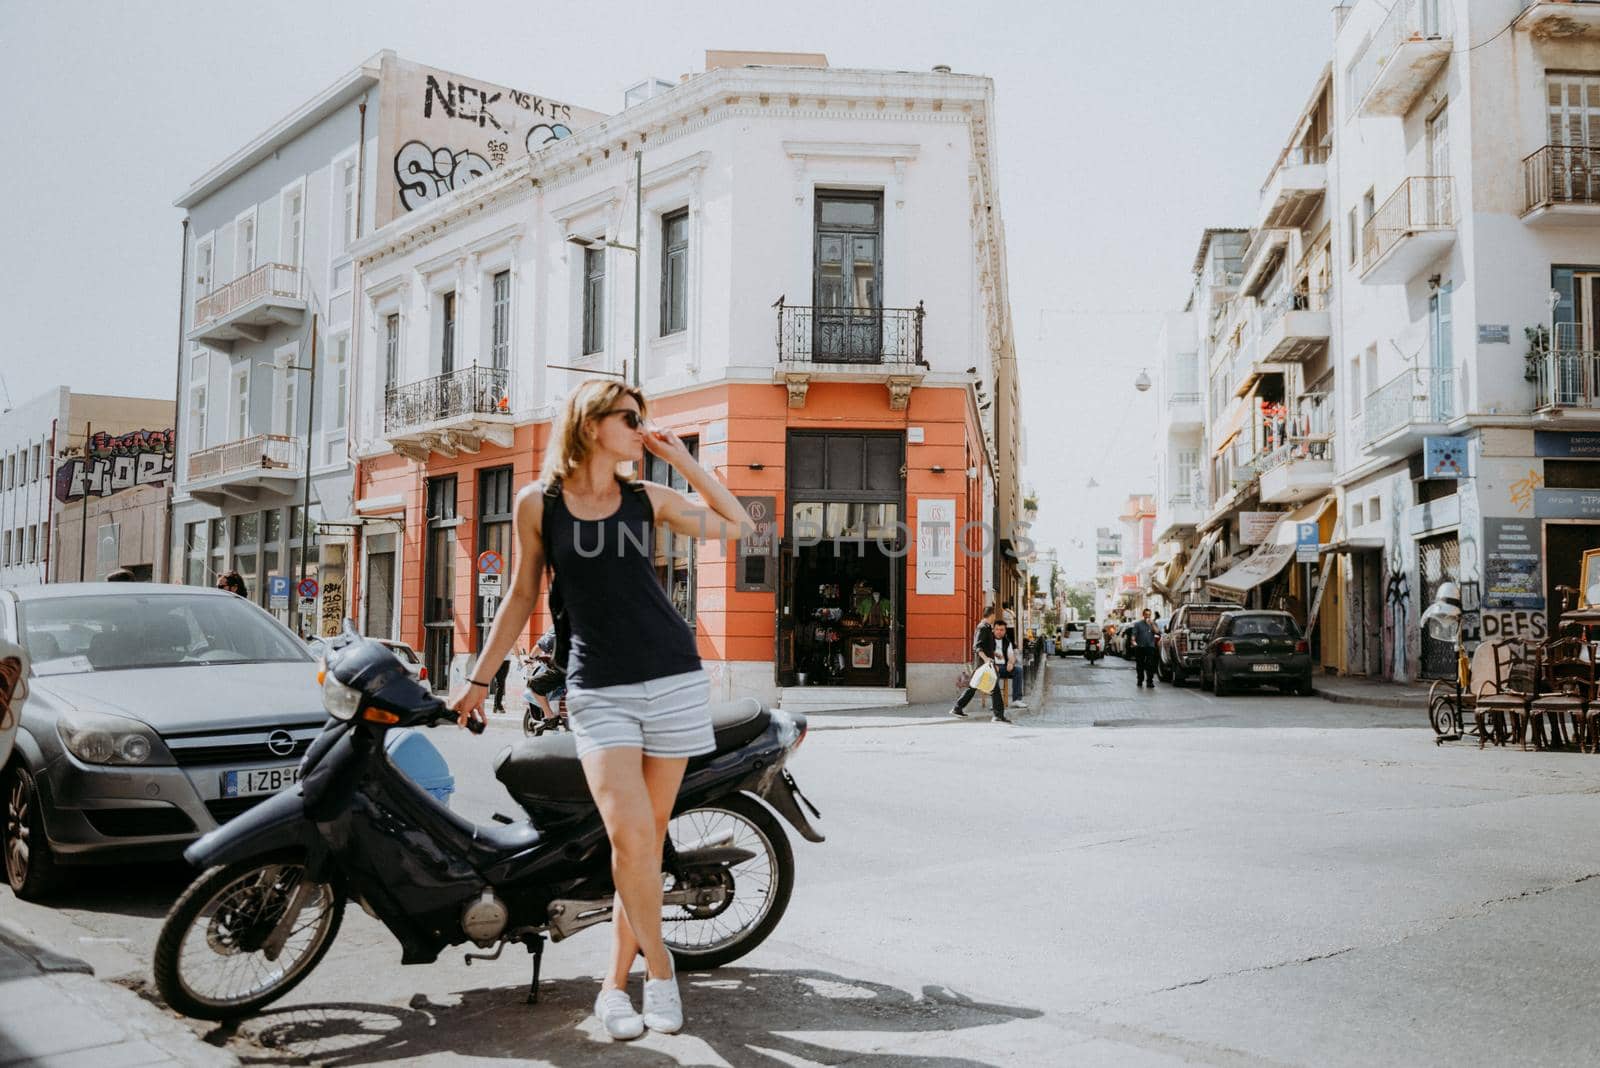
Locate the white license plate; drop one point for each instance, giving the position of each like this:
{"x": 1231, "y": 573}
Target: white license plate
{"x": 1263, "y": 667}
{"x": 248, "y": 782}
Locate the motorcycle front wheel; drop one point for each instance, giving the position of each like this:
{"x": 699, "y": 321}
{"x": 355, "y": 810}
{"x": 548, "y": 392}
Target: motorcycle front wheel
{"x": 213, "y": 961}
{"x": 757, "y": 890}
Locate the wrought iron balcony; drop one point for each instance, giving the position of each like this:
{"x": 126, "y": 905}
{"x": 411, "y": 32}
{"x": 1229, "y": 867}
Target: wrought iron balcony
{"x": 1410, "y": 405}
{"x": 245, "y": 469}
{"x": 851, "y": 345}
{"x": 1402, "y": 56}
{"x": 449, "y": 413}
{"x": 1568, "y": 378}
{"x": 1413, "y": 227}
{"x": 888, "y": 337}
{"x": 248, "y": 307}
{"x": 1562, "y": 185}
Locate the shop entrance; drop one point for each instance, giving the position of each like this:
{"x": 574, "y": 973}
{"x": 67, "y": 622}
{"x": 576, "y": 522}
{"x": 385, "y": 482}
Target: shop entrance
{"x": 846, "y": 608}
{"x": 1564, "y": 546}
{"x": 841, "y": 572}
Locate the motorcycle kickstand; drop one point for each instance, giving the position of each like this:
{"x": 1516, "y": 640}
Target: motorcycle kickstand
{"x": 536, "y": 947}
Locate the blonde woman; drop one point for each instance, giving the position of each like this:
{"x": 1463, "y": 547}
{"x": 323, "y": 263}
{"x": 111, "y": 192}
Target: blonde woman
{"x": 637, "y": 694}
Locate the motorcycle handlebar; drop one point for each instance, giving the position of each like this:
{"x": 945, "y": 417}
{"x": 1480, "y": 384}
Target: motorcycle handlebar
{"x": 442, "y": 713}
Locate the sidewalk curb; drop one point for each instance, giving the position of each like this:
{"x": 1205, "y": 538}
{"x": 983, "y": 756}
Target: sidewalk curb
{"x": 1402, "y": 704}
{"x": 44, "y": 958}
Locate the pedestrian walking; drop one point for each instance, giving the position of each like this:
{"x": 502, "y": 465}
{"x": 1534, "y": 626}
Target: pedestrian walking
{"x": 497, "y": 685}
{"x": 984, "y": 652}
{"x": 1008, "y": 665}
{"x": 1142, "y": 640}
{"x": 639, "y": 707}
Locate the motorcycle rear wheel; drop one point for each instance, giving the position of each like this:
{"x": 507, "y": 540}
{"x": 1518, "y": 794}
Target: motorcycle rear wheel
{"x": 710, "y": 938}
{"x": 221, "y": 920}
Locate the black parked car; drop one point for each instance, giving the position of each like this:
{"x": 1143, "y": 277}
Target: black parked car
{"x": 1250, "y": 648}
{"x": 1183, "y": 642}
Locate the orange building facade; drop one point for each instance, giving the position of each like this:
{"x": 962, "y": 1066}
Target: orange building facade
{"x": 817, "y": 628}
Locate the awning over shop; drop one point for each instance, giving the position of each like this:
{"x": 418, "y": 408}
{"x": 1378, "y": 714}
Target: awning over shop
{"x": 1202, "y": 553}
{"x": 1355, "y": 545}
{"x": 1269, "y": 558}
{"x": 1237, "y": 417}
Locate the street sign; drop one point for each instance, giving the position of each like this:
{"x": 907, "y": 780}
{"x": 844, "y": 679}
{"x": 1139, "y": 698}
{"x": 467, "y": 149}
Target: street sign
{"x": 1305, "y": 543}
{"x": 490, "y": 563}
{"x": 308, "y": 588}
{"x": 278, "y": 592}
{"x": 488, "y": 585}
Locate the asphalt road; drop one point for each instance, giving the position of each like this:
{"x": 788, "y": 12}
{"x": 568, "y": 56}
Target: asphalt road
{"x": 1124, "y": 877}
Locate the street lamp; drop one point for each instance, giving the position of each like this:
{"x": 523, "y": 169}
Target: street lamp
{"x": 1142, "y": 383}
{"x": 1441, "y": 621}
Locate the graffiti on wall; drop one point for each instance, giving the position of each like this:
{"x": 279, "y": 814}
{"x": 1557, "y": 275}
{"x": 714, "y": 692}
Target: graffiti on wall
{"x": 450, "y": 131}
{"x": 1397, "y": 586}
{"x": 425, "y": 173}
{"x": 112, "y": 463}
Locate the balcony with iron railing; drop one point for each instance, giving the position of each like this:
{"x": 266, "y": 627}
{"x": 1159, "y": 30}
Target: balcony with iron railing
{"x": 1560, "y": 20}
{"x": 1412, "y": 405}
{"x": 1567, "y": 378}
{"x": 246, "y": 469}
{"x": 1402, "y": 56}
{"x": 1298, "y": 470}
{"x": 837, "y": 344}
{"x": 246, "y": 308}
{"x": 451, "y": 413}
{"x": 1561, "y": 186}
{"x": 1297, "y": 184}
{"x": 1296, "y": 326}
{"x": 1412, "y": 229}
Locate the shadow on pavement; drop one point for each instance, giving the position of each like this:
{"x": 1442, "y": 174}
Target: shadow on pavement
{"x": 742, "y": 1016}
{"x": 145, "y": 890}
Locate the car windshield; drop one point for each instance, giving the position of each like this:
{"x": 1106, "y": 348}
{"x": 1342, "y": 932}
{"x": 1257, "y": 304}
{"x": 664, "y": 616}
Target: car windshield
{"x": 73, "y": 635}
{"x": 1265, "y": 627}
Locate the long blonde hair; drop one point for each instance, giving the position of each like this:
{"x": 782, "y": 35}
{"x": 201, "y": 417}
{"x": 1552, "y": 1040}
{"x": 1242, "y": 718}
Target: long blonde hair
{"x": 569, "y": 448}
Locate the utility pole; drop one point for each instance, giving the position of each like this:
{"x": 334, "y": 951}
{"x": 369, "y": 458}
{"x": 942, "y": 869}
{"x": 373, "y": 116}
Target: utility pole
{"x": 638, "y": 252}
{"x": 305, "y": 500}
{"x": 83, "y": 534}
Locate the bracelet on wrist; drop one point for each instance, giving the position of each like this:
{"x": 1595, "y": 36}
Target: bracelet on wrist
{"x": 475, "y": 682}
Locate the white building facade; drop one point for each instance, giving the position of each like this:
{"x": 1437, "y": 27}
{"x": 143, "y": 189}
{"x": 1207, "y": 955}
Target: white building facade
{"x": 822, "y": 282}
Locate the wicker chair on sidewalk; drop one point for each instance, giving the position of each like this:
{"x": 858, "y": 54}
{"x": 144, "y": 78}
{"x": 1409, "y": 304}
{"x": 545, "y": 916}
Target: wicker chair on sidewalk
{"x": 1501, "y": 707}
{"x": 1566, "y": 692}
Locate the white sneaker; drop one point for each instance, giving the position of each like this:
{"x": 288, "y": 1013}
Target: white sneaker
{"x": 1019, "y": 704}
{"x": 614, "y": 1009}
{"x": 663, "y": 1008}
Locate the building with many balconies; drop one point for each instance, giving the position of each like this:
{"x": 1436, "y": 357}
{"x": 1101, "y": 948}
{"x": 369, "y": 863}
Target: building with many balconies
{"x": 822, "y": 315}
{"x": 264, "y": 475}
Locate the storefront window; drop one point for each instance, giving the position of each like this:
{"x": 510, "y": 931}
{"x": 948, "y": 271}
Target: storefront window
{"x": 216, "y": 546}
{"x": 246, "y": 552}
{"x": 675, "y": 554}
{"x": 194, "y": 554}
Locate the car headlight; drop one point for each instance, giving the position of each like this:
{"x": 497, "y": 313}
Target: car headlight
{"x": 341, "y": 701}
{"x": 103, "y": 738}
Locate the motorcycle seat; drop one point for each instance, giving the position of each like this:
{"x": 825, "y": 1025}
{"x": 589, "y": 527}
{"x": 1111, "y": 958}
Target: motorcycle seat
{"x": 546, "y": 768}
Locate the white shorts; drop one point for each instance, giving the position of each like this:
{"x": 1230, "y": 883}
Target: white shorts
{"x": 666, "y": 717}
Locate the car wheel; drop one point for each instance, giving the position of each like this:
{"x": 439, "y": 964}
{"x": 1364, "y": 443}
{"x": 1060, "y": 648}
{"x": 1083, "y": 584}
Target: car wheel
{"x": 1218, "y": 685}
{"x": 1162, "y": 673}
{"x": 1306, "y": 689}
{"x": 1178, "y": 677}
{"x": 1205, "y": 679}
{"x": 30, "y": 865}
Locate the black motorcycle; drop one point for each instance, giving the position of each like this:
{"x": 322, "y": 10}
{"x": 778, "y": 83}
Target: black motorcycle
{"x": 268, "y": 905}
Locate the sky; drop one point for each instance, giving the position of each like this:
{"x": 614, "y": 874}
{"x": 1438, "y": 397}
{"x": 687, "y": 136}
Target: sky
{"x": 1123, "y": 131}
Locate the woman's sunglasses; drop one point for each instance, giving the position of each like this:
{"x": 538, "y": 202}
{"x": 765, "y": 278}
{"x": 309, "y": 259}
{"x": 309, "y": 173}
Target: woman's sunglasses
{"x": 629, "y": 416}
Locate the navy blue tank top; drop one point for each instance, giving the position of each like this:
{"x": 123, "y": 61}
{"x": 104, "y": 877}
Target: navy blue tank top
{"x": 624, "y": 629}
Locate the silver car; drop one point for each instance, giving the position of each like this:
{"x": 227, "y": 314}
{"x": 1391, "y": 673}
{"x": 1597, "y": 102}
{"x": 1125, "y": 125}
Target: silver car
{"x": 154, "y": 713}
